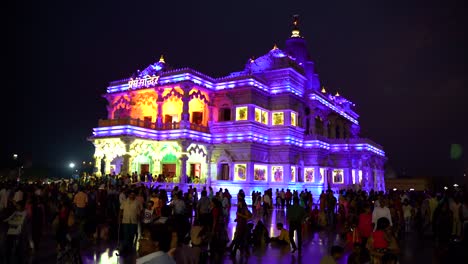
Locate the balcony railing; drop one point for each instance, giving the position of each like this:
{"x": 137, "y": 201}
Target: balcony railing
{"x": 149, "y": 125}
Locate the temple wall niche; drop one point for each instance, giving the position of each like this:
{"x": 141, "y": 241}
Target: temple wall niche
{"x": 198, "y": 104}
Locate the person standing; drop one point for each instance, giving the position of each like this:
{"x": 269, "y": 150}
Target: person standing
{"x": 331, "y": 204}
{"x": 130, "y": 212}
{"x": 80, "y": 201}
{"x": 295, "y": 215}
{"x": 380, "y": 210}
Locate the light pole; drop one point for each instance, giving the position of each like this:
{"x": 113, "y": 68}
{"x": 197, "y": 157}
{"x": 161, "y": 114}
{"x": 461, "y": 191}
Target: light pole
{"x": 15, "y": 158}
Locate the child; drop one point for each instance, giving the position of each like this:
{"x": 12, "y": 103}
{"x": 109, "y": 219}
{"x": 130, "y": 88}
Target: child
{"x": 148, "y": 214}
{"x": 283, "y": 238}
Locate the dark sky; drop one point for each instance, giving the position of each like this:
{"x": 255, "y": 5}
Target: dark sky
{"x": 403, "y": 63}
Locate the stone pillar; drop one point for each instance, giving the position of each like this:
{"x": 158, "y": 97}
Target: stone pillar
{"x": 341, "y": 130}
{"x": 355, "y": 129}
{"x": 325, "y": 179}
{"x": 97, "y": 166}
{"x": 208, "y": 163}
{"x": 159, "y": 119}
{"x": 183, "y": 168}
{"x": 325, "y": 128}
{"x": 287, "y": 118}
{"x": 332, "y": 126}
{"x": 156, "y": 167}
{"x": 107, "y": 163}
{"x": 185, "y": 120}
{"x": 125, "y": 165}
{"x": 312, "y": 130}
{"x": 250, "y": 172}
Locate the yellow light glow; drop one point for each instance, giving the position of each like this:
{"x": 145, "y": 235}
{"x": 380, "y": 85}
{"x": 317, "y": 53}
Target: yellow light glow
{"x": 241, "y": 113}
{"x": 110, "y": 148}
{"x": 293, "y": 119}
{"x": 240, "y": 172}
{"x": 161, "y": 59}
{"x": 278, "y": 118}
{"x": 144, "y": 104}
{"x": 258, "y": 114}
{"x": 173, "y": 107}
{"x": 337, "y": 94}
{"x": 323, "y": 89}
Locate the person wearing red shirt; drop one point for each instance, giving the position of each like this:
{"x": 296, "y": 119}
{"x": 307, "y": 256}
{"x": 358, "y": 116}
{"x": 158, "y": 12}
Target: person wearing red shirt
{"x": 365, "y": 225}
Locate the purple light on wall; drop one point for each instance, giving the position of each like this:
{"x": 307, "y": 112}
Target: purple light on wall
{"x": 334, "y": 108}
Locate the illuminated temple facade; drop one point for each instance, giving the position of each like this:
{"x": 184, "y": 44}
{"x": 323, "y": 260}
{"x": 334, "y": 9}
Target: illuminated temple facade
{"x": 270, "y": 125}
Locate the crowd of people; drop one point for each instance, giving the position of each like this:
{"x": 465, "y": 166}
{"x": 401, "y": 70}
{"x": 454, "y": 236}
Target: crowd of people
{"x": 155, "y": 225}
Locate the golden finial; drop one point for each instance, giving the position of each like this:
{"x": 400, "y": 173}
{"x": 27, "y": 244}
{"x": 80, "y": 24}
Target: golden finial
{"x": 295, "y": 32}
{"x": 337, "y": 94}
{"x": 275, "y": 47}
{"x": 161, "y": 59}
{"x": 323, "y": 89}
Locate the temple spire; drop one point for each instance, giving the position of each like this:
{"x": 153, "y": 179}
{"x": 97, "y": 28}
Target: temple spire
{"x": 295, "y": 32}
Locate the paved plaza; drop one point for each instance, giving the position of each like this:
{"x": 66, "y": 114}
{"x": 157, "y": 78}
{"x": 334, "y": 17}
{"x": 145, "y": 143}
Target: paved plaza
{"x": 315, "y": 246}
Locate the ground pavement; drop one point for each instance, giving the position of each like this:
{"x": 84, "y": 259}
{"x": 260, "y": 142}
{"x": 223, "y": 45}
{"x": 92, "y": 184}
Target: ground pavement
{"x": 315, "y": 246}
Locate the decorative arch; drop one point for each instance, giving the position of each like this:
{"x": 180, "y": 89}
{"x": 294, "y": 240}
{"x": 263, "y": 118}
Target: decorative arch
{"x": 119, "y": 106}
{"x": 110, "y": 148}
{"x": 197, "y": 93}
{"x": 224, "y": 159}
{"x": 170, "y": 92}
{"x": 197, "y": 162}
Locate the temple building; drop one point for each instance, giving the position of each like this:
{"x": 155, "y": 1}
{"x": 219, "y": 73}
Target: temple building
{"x": 270, "y": 125}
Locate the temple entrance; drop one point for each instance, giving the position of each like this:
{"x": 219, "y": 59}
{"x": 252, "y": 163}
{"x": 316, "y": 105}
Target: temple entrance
{"x": 195, "y": 172}
{"x": 144, "y": 169}
{"x": 223, "y": 174}
{"x": 169, "y": 170}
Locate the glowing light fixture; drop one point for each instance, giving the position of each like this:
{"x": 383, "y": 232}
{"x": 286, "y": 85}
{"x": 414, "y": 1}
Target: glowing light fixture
{"x": 445, "y": 188}
{"x": 71, "y": 165}
{"x": 161, "y": 59}
{"x": 323, "y": 89}
{"x": 455, "y": 185}
{"x": 394, "y": 189}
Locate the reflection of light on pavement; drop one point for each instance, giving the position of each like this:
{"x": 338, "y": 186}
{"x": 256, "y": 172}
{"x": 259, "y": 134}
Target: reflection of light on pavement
{"x": 272, "y": 231}
{"x": 108, "y": 258}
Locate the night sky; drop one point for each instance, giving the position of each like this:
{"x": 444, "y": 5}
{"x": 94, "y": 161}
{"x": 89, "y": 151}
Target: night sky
{"x": 403, "y": 63}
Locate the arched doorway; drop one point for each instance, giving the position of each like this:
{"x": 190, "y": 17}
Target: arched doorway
{"x": 169, "y": 167}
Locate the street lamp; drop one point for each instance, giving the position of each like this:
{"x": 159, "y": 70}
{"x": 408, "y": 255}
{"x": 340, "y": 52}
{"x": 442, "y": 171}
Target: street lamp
{"x": 15, "y": 156}
{"x": 455, "y": 185}
{"x": 71, "y": 165}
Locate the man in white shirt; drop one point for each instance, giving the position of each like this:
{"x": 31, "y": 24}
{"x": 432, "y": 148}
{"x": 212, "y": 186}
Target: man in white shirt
{"x": 130, "y": 211}
{"x": 380, "y": 210}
